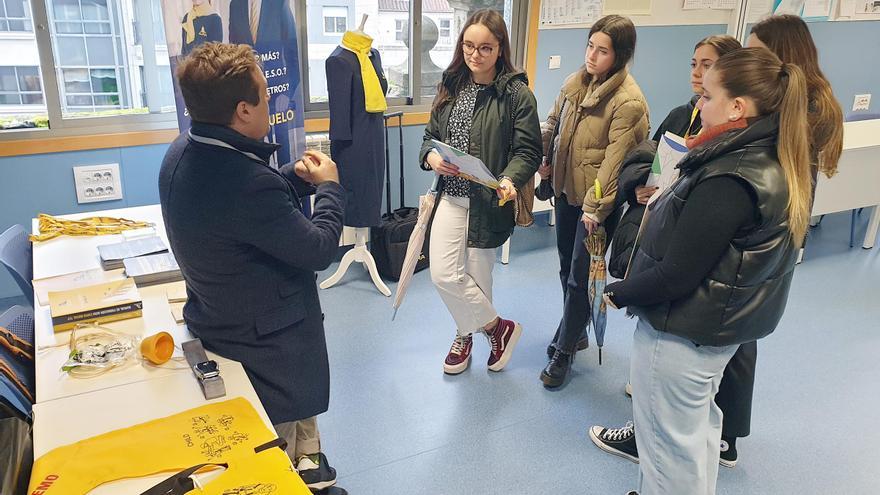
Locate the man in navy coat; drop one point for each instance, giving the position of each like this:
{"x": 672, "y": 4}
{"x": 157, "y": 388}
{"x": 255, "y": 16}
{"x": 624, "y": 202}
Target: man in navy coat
{"x": 246, "y": 251}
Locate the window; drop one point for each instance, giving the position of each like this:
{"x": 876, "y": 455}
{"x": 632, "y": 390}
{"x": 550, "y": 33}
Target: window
{"x": 20, "y": 86}
{"x": 15, "y": 16}
{"x": 335, "y": 20}
{"x": 400, "y": 29}
{"x": 445, "y": 30}
{"x": 389, "y": 23}
{"x": 109, "y": 59}
{"x": 105, "y": 63}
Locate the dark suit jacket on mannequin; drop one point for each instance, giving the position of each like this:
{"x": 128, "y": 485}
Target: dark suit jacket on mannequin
{"x": 357, "y": 138}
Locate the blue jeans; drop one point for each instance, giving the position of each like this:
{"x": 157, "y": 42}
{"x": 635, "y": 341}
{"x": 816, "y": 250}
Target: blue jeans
{"x": 677, "y": 423}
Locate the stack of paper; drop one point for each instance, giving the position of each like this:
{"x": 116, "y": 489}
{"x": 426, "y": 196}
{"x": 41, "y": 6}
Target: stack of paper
{"x": 113, "y": 254}
{"x": 152, "y": 270}
{"x": 101, "y": 303}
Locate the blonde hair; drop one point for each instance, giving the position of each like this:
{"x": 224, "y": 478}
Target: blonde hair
{"x": 789, "y": 38}
{"x": 777, "y": 88}
{"x": 215, "y": 77}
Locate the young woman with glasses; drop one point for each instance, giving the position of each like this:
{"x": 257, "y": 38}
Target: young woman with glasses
{"x": 484, "y": 107}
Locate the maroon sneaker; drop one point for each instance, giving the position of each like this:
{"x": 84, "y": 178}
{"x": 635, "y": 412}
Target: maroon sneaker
{"x": 459, "y": 355}
{"x": 503, "y": 339}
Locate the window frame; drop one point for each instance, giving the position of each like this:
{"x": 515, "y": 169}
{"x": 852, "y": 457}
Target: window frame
{"x": 414, "y": 103}
{"x": 50, "y": 73}
{"x": 164, "y": 121}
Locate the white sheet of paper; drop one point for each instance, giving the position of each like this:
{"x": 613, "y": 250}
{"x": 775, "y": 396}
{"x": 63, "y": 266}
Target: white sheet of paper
{"x": 467, "y": 164}
{"x": 817, "y": 8}
{"x": 670, "y": 150}
{"x": 758, "y": 9}
{"x": 567, "y": 12}
{"x": 73, "y": 281}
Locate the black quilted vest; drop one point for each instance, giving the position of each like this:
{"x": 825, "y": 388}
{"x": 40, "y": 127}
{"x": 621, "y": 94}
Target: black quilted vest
{"x": 744, "y": 296}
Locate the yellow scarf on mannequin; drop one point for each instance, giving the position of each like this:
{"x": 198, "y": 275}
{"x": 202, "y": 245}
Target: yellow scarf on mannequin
{"x": 196, "y": 12}
{"x": 214, "y": 433}
{"x": 360, "y": 44}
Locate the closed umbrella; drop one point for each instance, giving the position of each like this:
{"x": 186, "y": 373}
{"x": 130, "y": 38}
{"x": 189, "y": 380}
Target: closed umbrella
{"x": 427, "y": 207}
{"x": 595, "y": 243}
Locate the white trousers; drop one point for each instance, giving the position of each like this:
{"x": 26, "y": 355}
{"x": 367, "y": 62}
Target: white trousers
{"x": 462, "y": 275}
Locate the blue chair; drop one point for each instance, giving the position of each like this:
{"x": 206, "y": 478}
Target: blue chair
{"x": 19, "y": 389}
{"x": 16, "y": 255}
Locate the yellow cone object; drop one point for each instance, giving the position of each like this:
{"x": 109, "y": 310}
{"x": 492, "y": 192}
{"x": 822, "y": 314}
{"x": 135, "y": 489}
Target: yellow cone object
{"x": 158, "y": 348}
{"x": 360, "y": 44}
{"x": 218, "y": 432}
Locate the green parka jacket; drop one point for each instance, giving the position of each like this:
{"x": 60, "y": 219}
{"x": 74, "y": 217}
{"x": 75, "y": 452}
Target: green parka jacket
{"x": 506, "y": 135}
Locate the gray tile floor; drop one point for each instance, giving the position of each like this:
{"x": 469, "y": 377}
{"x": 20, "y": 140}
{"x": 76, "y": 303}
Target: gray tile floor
{"x": 397, "y": 425}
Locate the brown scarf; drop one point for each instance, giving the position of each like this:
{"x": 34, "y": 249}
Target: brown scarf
{"x": 710, "y": 133}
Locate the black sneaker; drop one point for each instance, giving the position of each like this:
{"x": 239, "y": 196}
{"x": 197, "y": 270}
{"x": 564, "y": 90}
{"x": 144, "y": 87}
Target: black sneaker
{"x": 728, "y": 455}
{"x": 617, "y": 441}
{"x": 582, "y": 344}
{"x": 316, "y": 472}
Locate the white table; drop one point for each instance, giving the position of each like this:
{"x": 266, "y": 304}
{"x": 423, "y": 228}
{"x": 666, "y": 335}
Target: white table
{"x": 71, "y": 419}
{"x": 65, "y": 255}
{"x": 858, "y": 176}
{"x": 71, "y": 409}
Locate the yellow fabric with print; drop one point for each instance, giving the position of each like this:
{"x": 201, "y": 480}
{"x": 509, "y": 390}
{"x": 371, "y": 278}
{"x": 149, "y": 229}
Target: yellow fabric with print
{"x": 360, "y": 44}
{"x": 197, "y": 11}
{"x": 266, "y": 473}
{"x": 217, "y": 432}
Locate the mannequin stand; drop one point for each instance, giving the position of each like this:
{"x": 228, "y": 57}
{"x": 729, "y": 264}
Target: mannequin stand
{"x": 360, "y": 254}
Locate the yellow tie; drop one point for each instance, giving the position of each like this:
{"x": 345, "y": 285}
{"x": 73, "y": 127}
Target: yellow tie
{"x": 254, "y": 18}
{"x": 374, "y": 98}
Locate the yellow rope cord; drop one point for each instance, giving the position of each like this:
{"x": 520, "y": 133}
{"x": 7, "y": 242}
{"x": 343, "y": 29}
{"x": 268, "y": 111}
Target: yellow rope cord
{"x": 52, "y": 227}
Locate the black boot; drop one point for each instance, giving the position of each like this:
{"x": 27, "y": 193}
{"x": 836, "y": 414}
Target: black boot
{"x": 557, "y": 369}
{"x": 582, "y": 344}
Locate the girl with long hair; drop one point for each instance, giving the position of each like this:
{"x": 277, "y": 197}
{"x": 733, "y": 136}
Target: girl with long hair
{"x": 485, "y": 108}
{"x": 715, "y": 263}
{"x": 599, "y": 115}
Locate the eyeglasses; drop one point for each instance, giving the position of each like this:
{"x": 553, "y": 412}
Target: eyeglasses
{"x": 485, "y": 50}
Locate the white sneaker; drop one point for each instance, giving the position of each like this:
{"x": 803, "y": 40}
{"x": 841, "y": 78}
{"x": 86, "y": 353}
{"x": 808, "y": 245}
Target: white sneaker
{"x": 628, "y": 390}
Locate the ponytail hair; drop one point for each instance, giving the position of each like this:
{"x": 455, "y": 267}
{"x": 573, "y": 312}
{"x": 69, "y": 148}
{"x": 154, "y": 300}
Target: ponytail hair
{"x": 793, "y": 149}
{"x": 777, "y": 88}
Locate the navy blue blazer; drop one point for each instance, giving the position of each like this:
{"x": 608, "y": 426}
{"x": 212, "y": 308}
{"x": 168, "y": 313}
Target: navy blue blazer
{"x": 249, "y": 256}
